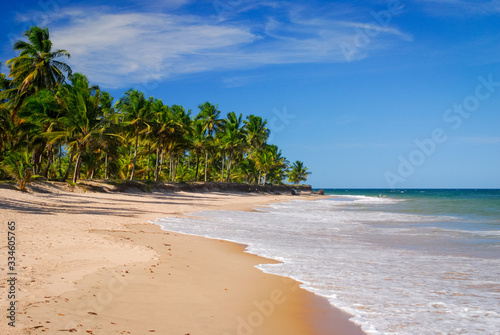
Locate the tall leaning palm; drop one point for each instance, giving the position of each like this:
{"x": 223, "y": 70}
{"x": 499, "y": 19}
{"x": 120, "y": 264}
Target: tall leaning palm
{"x": 37, "y": 66}
{"x": 138, "y": 117}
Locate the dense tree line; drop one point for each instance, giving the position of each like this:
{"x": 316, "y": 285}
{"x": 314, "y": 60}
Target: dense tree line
{"x": 54, "y": 124}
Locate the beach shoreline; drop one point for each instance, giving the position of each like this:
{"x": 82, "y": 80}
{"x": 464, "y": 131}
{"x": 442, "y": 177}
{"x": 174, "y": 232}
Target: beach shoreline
{"x": 91, "y": 262}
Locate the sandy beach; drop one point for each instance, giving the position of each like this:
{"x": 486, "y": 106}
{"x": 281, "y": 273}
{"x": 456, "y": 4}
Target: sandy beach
{"x": 92, "y": 263}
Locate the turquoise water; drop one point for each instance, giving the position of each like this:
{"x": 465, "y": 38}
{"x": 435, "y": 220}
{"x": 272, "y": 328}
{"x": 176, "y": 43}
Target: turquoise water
{"x": 460, "y": 210}
{"x": 480, "y": 205}
{"x": 401, "y": 262}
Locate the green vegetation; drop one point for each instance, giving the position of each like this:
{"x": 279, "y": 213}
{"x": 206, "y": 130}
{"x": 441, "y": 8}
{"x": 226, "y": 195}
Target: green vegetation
{"x": 54, "y": 124}
{"x": 298, "y": 172}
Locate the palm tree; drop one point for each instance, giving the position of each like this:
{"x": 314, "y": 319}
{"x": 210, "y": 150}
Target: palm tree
{"x": 18, "y": 166}
{"x": 6, "y": 129}
{"x": 270, "y": 162}
{"x": 160, "y": 127}
{"x": 198, "y": 139}
{"x": 36, "y": 67}
{"x": 247, "y": 172}
{"x": 256, "y": 131}
{"x": 6, "y": 125}
{"x": 137, "y": 115}
{"x": 110, "y": 140}
{"x": 298, "y": 172}
{"x": 84, "y": 121}
{"x": 232, "y": 139}
{"x": 209, "y": 114}
{"x": 176, "y": 141}
{"x": 39, "y": 116}
{"x": 5, "y": 84}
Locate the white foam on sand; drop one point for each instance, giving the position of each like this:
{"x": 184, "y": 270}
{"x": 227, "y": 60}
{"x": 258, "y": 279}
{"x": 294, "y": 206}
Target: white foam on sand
{"x": 339, "y": 250}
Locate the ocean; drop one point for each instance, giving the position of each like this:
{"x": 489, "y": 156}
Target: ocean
{"x": 400, "y": 262}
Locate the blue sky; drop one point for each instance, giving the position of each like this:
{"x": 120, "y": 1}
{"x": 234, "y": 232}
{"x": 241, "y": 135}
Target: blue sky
{"x": 369, "y": 94}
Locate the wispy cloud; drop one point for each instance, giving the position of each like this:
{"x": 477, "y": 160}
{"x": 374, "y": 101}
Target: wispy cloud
{"x": 116, "y": 48}
{"x": 120, "y": 48}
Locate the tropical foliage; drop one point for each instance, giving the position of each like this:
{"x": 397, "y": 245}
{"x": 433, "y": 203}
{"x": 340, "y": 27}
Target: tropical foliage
{"x": 55, "y": 124}
{"x": 298, "y": 172}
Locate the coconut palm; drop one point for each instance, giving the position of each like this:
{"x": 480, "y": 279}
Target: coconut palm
{"x": 232, "y": 139}
{"x": 209, "y": 114}
{"x": 6, "y": 129}
{"x": 137, "y": 116}
{"x": 39, "y": 116}
{"x": 5, "y": 84}
{"x": 6, "y": 126}
{"x": 84, "y": 121}
{"x": 270, "y": 162}
{"x": 256, "y": 131}
{"x": 198, "y": 140}
{"x": 247, "y": 172}
{"x": 298, "y": 172}
{"x": 160, "y": 127}
{"x": 36, "y": 67}
{"x": 111, "y": 140}
{"x": 18, "y": 166}
{"x": 176, "y": 141}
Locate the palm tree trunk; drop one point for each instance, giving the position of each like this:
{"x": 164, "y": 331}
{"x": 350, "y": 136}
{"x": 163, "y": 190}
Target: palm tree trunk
{"x": 106, "y": 166}
{"x": 40, "y": 157}
{"x": 157, "y": 163}
{"x": 206, "y": 165}
{"x": 54, "y": 159}
{"x": 149, "y": 157}
{"x": 33, "y": 159}
{"x": 229, "y": 162}
{"x": 222, "y": 171}
{"x": 176, "y": 166}
{"x": 76, "y": 173}
{"x": 169, "y": 167}
{"x": 49, "y": 161}
{"x": 66, "y": 175}
{"x": 197, "y": 166}
{"x": 135, "y": 156}
{"x": 161, "y": 162}
{"x": 59, "y": 163}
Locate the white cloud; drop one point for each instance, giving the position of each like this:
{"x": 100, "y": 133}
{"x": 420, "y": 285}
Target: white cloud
{"x": 119, "y": 49}
{"x": 114, "y": 49}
